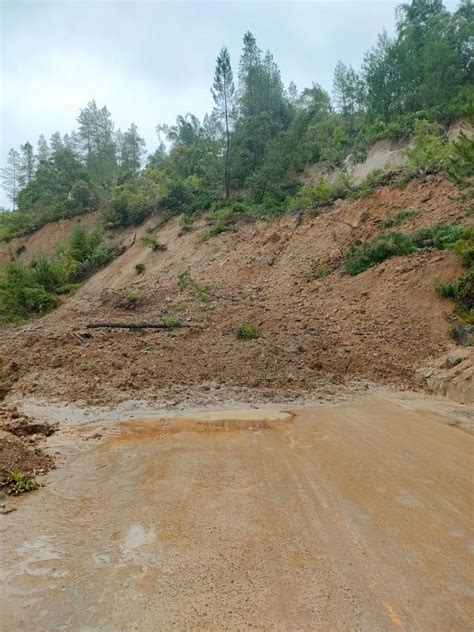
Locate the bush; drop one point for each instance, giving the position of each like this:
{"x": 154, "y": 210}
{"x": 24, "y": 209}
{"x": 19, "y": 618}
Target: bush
{"x": 430, "y": 151}
{"x": 33, "y": 289}
{"x": 310, "y": 198}
{"x": 398, "y": 218}
{"x": 461, "y": 291}
{"x": 187, "y": 282}
{"x": 152, "y": 242}
{"x": 246, "y": 331}
{"x": 139, "y": 268}
{"x": 370, "y": 254}
{"x": 319, "y": 273}
{"x": 171, "y": 322}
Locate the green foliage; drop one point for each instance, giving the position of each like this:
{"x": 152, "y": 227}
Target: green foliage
{"x": 375, "y": 179}
{"x": 20, "y": 483}
{"x": 460, "y": 164}
{"x": 319, "y": 273}
{"x": 139, "y": 268}
{"x": 246, "y": 331}
{"x": 171, "y": 322}
{"x": 31, "y": 289}
{"x": 397, "y": 218}
{"x": 370, "y": 254}
{"x": 430, "y": 150}
{"x": 450, "y": 236}
{"x": 200, "y": 291}
{"x": 152, "y": 242}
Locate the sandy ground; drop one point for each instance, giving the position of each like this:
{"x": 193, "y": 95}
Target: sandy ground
{"x": 356, "y": 516}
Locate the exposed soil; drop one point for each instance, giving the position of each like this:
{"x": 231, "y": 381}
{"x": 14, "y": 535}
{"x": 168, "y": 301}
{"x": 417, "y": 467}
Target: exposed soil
{"x": 349, "y": 517}
{"x": 380, "y": 326}
{"x": 19, "y": 436}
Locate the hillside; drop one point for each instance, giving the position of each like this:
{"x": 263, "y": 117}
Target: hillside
{"x": 379, "y": 327}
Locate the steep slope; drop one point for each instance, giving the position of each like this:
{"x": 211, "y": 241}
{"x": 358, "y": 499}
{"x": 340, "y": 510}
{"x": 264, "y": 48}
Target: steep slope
{"x": 381, "y": 325}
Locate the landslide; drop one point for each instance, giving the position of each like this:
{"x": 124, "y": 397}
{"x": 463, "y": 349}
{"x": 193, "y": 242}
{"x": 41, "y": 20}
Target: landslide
{"x": 378, "y": 326}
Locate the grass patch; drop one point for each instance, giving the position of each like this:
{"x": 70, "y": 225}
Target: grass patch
{"x": 397, "y": 218}
{"x": 443, "y": 236}
{"x": 171, "y": 322}
{"x": 152, "y": 242}
{"x": 246, "y": 331}
{"x": 319, "y": 273}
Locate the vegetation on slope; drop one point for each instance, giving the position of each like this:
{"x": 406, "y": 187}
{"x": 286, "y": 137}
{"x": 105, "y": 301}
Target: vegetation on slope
{"x": 247, "y": 153}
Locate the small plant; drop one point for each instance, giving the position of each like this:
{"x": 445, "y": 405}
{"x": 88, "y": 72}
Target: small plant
{"x": 398, "y": 218}
{"x": 186, "y": 282}
{"x": 246, "y": 331}
{"x": 171, "y": 322}
{"x": 370, "y": 254}
{"x": 319, "y": 273}
{"x": 130, "y": 298}
{"x": 139, "y": 268}
{"x": 185, "y": 224}
{"x": 20, "y": 483}
{"x": 152, "y": 242}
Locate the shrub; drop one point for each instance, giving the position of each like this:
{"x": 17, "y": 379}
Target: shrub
{"x": 374, "y": 179}
{"x": 398, "y": 218}
{"x": 310, "y": 198}
{"x": 139, "y": 268}
{"x": 171, "y": 322}
{"x": 187, "y": 282}
{"x": 319, "y": 273}
{"x": 430, "y": 151}
{"x": 152, "y": 242}
{"x": 19, "y": 483}
{"x": 246, "y": 331}
{"x": 461, "y": 291}
{"x": 370, "y": 254}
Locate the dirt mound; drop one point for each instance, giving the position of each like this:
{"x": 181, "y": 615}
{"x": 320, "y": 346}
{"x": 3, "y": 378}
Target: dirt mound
{"x": 379, "y": 326}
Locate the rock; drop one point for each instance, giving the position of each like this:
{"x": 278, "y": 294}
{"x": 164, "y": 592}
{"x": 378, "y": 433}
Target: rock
{"x": 452, "y": 360}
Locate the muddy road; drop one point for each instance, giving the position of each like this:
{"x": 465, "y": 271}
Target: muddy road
{"x": 337, "y": 518}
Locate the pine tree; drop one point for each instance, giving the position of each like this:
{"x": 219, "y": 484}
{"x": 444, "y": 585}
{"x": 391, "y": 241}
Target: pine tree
{"x": 27, "y": 164}
{"x": 43, "y": 149}
{"x": 131, "y": 149}
{"x": 10, "y": 175}
{"x": 96, "y": 135}
{"x": 223, "y": 92}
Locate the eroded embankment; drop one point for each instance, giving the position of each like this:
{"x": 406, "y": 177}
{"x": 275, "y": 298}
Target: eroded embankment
{"x": 355, "y": 516}
{"x": 316, "y": 333}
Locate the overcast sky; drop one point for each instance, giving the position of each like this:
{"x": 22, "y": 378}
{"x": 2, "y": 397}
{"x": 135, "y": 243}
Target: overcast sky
{"x": 149, "y": 61}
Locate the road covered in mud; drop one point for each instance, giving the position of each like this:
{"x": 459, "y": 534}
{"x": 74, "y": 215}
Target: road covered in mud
{"x": 349, "y": 517}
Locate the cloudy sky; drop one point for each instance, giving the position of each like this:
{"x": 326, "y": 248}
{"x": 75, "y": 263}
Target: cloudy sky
{"x": 149, "y": 61}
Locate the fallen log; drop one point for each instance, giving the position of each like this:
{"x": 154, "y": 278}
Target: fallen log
{"x": 133, "y": 326}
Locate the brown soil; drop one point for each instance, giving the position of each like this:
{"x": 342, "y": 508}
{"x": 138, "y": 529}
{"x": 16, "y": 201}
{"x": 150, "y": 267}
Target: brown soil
{"x": 379, "y": 326}
{"x": 19, "y": 435}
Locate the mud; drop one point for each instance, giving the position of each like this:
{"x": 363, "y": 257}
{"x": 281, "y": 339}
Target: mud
{"x": 355, "y": 516}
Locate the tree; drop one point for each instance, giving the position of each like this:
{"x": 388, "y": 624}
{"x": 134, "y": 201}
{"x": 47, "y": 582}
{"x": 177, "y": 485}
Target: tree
{"x": 26, "y": 165}
{"x": 223, "y": 91}
{"x": 96, "y": 136}
{"x": 10, "y": 174}
{"x": 131, "y": 150}
{"x": 348, "y": 90}
{"x": 43, "y": 149}
{"x": 56, "y": 142}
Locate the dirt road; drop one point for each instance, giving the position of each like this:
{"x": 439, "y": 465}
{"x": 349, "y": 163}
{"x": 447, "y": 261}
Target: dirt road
{"x": 338, "y": 518}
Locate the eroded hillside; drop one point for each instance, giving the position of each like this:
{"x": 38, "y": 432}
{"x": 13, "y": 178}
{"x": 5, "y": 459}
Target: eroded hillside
{"x": 379, "y": 326}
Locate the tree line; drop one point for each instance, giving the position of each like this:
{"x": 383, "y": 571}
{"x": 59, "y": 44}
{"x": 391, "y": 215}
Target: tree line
{"x": 260, "y": 134}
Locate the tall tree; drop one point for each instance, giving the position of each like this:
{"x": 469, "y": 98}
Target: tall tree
{"x": 10, "y": 174}
{"x": 223, "y": 91}
{"x": 27, "y": 164}
{"x": 43, "y": 149}
{"x": 131, "y": 150}
{"x": 96, "y": 134}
